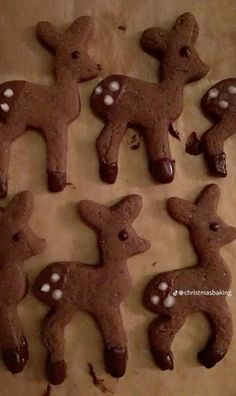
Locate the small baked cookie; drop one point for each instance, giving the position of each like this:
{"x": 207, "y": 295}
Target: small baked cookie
{"x": 18, "y": 242}
{"x": 219, "y": 103}
{"x": 124, "y": 101}
{"x": 97, "y": 289}
{"x": 202, "y": 288}
{"x": 48, "y": 109}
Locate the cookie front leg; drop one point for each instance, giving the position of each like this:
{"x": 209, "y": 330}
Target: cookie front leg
{"x": 4, "y": 165}
{"x": 161, "y": 335}
{"x": 13, "y": 342}
{"x": 53, "y": 338}
{"x": 222, "y": 329}
{"x": 161, "y": 165}
{"x": 115, "y": 340}
{"x": 213, "y": 146}
{"x": 108, "y": 143}
{"x": 56, "y": 140}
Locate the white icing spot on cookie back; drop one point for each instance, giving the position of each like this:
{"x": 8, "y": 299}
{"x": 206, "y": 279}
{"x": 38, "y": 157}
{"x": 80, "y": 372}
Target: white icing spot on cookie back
{"x": 163, "y": 286}
{"x": 98, "y": 90}
{"x": 45, "y": 288}
{"x": 8, "y": 93}
{"x": 169, "y": 301}
{"x": 55, "y": 277}
{"x": 114, "y": 86}
{"x": 223, "y": 104}
{"x": 213, "y": 93}
{"x": 232, "y": 89}
{"x": 108, "y": 100}
{"x": 57, "y": 294}
{"x": 155, "y": 299}
{"x": 4, "y": 107}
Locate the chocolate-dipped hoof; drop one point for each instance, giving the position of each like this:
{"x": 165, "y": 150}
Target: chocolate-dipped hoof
{"x": 3, "y": 188}
{"x": 115, "y": 361}
{"x": 56, "y": 181}
{"x": 209, "y": 358}
{"x": 163, "y": 361}
{"x": 108, "y": 172}
{"x": 217, "y": 165}
{"x": 162, "y": 170}
{"x": 16, "y": 358}
{"x": 56, "y": 371}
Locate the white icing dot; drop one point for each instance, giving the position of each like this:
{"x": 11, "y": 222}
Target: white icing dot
{"x": 8, "y": 93}
{"x": 163, "y": 286}
{"x": 232, "y": 89}
{"x": 57, "y": 294}
{"x": 213, "y": 93}
{"x": 155, "y": 299}
{"x": 108, "y": 100}
{"x": 169, "y": 301}
{"x": 45, "y": 288}
{"x": 55, "y": 277}
{"x": 98, "y": 90}
{"x": 114, "y": 86}
{"x": 223, "y": 104}
{"x": 5, "y": 107}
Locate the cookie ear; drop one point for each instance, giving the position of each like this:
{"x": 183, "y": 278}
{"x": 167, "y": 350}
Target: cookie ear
{"x": 20, "y": 208}
{"x": 48, "y": 34}
{"x": 187, "y": 25}
{"x": 155, "y": 40}
{"x": 94, "y": 214}
{"x": 181, "y": 210}
{"x": 209, "y": 198}
{"x": 128, "y": 208}
{"x": 82, "y": 28}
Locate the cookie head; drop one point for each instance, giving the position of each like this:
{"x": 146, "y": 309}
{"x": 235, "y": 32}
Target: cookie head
{"x": 220, "y": 100}
{"x": 176, "y": 48}
{"x": 207, "y": 230}
{"x": 18, "y": 239}
{"x": 116, "y": 235}
{"x": 71, "y": 47}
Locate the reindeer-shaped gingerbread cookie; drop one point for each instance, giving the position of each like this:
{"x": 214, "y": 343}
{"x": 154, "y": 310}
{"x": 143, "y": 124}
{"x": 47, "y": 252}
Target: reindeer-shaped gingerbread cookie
{"x": 219, "y": 103}
{"x": 48, "y": 109}
{"x": 18, "y": 243}
{"x": 125, "y": 101}
{"x": 208, "y": 233}
{"x": 96, "y": 289}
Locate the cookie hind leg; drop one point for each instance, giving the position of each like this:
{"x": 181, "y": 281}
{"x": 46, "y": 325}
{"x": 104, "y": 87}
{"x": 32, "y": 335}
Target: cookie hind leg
{"x": 219, "y": 342}
{"x": 161, "y": 335}
{"x": 13, "y": 342}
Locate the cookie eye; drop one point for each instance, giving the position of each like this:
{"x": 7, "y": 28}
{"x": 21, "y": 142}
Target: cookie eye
{"x": 185, "y": 52}
{"x": 17, "y": 236}
{"x": 75, "y": 54}
{"x": 214, "y": 226}
{"x": 123, "y": 235}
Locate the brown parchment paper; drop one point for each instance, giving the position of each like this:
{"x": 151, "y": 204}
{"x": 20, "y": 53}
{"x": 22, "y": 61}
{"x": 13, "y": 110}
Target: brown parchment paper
{"x": 55, "y": 215}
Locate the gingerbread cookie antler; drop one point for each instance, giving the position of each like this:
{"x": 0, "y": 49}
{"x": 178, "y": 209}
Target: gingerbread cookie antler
{"x": 219, "y": 103}
{"x": 49, "y": 109}
{"x": 125, "y": 101}
{"x": 174, "y": 295}
{"x": 18, "y": 243}
{"x": 96, "y": 289}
